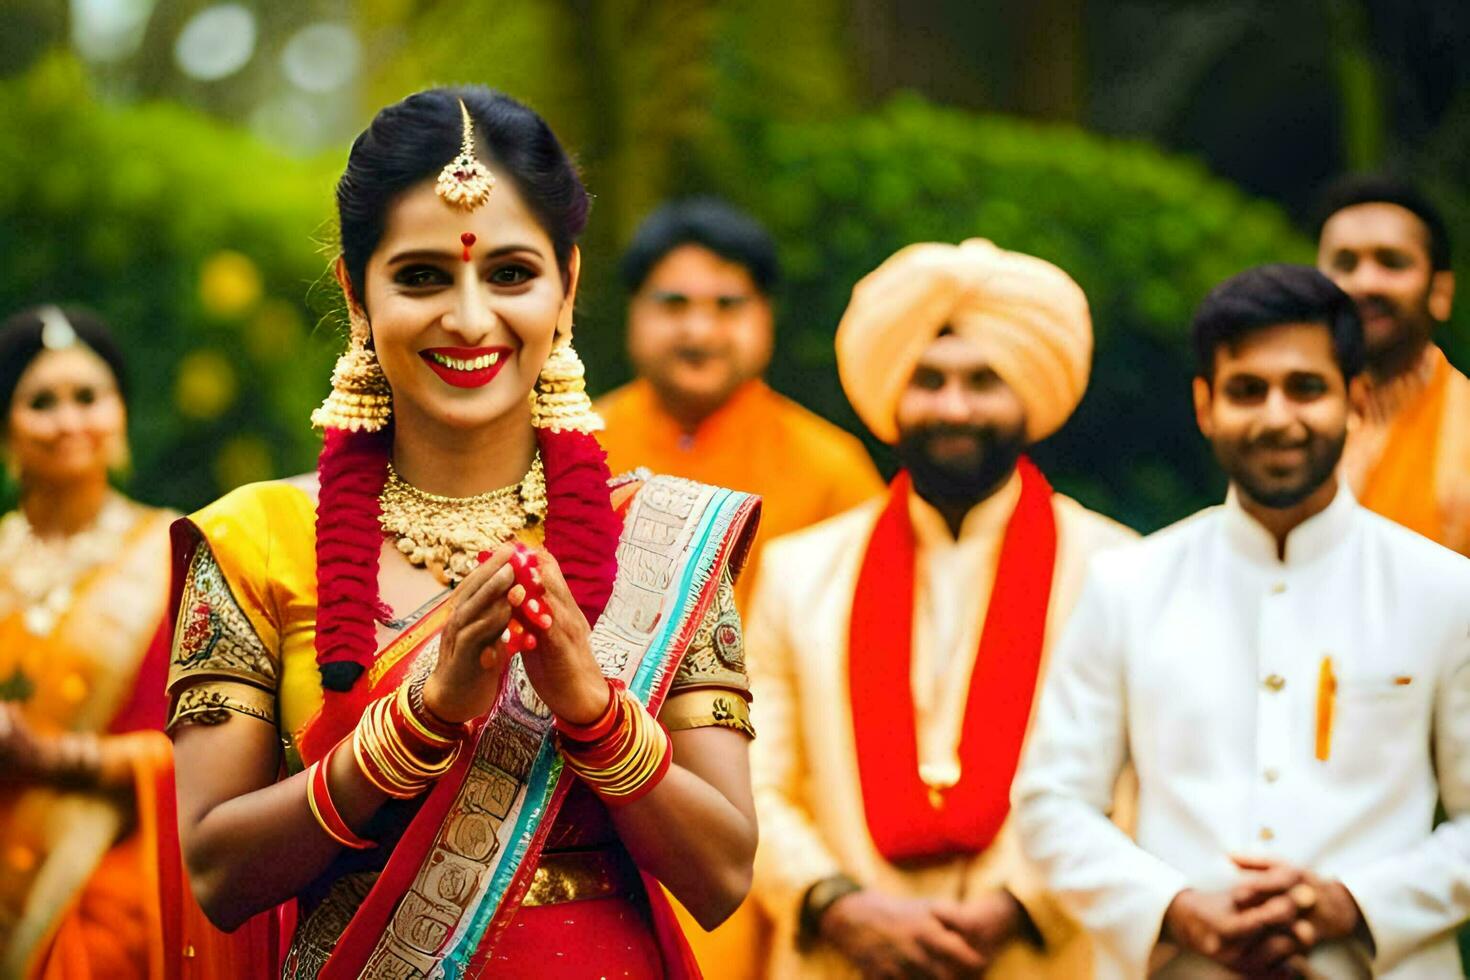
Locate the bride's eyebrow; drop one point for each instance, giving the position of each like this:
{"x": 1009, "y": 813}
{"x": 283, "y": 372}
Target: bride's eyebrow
{"x": 437, "y": 255}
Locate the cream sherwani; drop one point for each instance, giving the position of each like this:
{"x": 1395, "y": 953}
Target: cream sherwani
{"x": 808, "y": 795}
{"x": 1197, "y": 654}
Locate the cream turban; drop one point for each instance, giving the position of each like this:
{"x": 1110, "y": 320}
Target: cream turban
{"x": 1029, "y": 316}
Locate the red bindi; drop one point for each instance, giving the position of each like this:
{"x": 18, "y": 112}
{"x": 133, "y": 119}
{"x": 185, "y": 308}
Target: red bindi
{"x": 467, "y": 239}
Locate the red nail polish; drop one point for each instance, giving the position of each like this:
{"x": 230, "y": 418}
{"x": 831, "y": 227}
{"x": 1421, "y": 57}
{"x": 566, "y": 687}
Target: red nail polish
{"x": 484, "y": 557}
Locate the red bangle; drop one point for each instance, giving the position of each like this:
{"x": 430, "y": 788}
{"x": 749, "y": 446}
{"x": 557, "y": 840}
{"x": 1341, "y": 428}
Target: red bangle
{"x": 319, "y": 798}
{"x": 604, "y": 725}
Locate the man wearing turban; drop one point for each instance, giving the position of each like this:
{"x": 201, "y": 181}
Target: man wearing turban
{"x": 895, "y": 649}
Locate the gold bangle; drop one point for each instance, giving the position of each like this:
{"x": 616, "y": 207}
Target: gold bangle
{"x": 410, "y": 714}
{"x": 387, "y": 761}
{"x": 364, "y": 743}
{"x": 636, "y": 759}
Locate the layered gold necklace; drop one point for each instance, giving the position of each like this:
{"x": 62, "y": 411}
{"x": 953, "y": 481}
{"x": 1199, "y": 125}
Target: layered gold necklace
{"x": 41, "y": 574}
{"x": 447, "y": 534}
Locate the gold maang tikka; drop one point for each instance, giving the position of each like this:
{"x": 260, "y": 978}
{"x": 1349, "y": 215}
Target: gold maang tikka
{"x": 465, "y": 182}
{"x": 360, "y": 399}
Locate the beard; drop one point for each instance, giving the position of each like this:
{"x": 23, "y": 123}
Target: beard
{"x": 1411, "y": 326}
{"x": 1281, "y": 487}
{"x": 964, "y": 478}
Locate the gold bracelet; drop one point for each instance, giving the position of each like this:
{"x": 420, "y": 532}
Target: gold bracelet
{"x": 640, "y": 755}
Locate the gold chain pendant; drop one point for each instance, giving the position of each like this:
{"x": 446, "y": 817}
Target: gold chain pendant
{"x": 447, "y": 534}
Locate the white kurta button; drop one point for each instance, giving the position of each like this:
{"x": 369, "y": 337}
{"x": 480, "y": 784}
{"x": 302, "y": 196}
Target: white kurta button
{"x": 1271, "y": 775}
{"x": 1277, "y": 588}
{"x": 1267, "y": 834}
{"x": 1274, "y": 682}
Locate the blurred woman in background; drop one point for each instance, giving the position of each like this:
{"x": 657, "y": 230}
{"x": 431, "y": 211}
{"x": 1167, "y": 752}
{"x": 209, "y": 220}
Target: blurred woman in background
{"x": 84, "y": 571}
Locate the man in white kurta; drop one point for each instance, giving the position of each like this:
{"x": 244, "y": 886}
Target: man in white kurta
{"x": 1292, "y": 686}
{"x": 1026, "y": 322}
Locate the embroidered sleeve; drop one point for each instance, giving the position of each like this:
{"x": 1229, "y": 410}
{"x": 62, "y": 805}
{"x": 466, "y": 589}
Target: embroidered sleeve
{"x": 711, "y": 687}
{"x": 219, "y": 664}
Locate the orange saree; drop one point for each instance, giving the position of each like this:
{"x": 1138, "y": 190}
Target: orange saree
{"x": 78, "y": 870}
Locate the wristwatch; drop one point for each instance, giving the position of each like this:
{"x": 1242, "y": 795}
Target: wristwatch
{"x": 817, "y": 900}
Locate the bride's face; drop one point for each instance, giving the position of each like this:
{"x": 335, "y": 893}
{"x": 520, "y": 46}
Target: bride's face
{"x": 463, "y": 306}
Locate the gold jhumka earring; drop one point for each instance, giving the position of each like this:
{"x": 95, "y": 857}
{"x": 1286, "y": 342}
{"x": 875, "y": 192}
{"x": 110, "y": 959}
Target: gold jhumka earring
{"x": 559, "y": 401}
{"x": 360, "y": 399}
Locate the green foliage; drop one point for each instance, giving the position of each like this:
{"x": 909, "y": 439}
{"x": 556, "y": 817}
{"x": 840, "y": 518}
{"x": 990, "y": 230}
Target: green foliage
{"x": 1145, "y": 234}
{"x": 196, "y": 243}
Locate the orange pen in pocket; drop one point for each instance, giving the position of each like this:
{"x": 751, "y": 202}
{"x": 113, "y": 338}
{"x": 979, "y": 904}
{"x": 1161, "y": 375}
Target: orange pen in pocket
{"x": 1326, "y": 703}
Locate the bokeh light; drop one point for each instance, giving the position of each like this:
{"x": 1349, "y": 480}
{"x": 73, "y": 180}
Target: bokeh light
{"x": 216, "y": 42}
{"x": 108, "y": 30}
{"x": 206, "y": 385}
{"x": 229, "y": 284}
{"x": 321, "y": 57}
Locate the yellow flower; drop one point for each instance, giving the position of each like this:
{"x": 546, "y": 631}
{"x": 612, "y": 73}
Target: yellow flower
{"x": 205, "y": 386}
{"x": 229, "y": 284}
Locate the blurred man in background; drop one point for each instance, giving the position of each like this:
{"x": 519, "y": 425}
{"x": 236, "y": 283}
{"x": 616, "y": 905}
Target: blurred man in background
{"x": 894, "y": 649}
{"x": 1409, "y": 459}
{"x": 700, "y": 334}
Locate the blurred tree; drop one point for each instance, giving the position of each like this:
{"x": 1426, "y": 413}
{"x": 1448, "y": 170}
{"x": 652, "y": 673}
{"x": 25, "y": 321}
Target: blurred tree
{"x": 196, "y": 243}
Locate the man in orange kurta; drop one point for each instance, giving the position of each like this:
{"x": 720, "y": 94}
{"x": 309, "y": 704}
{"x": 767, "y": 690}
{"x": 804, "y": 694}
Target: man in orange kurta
{"x": 1408, "y": 458}
{"x": 700, "y": 331}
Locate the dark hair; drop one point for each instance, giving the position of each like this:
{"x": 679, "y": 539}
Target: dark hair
{"x": 412, "y": 140}
{"x": 1355, "y": 189}
{"x": 20, "y": 344}
{"x": 1268, "y": 296}
{"x": 708, "y": 221}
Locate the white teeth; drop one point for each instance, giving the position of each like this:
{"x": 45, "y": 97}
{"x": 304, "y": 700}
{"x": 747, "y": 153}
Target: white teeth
{"x": 474, "y": 364}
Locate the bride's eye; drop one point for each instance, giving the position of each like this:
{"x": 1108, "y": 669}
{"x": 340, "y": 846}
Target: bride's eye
{"x": 511, "y": 275}
{"x": 419, "y": 276}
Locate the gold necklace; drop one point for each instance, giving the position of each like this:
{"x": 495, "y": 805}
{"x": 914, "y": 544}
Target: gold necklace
{"x": 447, "y": 534}
{"x": 43, "y": 572}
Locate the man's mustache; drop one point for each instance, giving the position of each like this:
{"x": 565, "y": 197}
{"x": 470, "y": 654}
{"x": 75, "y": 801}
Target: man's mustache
{"x": 1280, "y": 442}
{"x": 982, "y": 434}
{"x": 686, "y": 353}
{"x": 1375, "y": 306}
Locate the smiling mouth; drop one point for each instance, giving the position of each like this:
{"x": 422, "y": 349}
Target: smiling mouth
{"x": 474, "y": 364}
{"x": 466, "y": 367}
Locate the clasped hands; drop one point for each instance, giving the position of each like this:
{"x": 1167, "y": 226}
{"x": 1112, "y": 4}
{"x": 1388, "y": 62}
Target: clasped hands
{"x": 1267, "y": 923}
{"x": 516, "y": 602}
{"x": 891, "y": 936}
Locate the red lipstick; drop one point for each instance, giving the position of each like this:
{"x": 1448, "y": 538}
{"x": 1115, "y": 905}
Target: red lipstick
{"x": 466, "y": 367}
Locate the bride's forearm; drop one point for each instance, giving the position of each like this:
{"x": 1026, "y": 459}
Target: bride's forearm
{"x": 696, "y": 831}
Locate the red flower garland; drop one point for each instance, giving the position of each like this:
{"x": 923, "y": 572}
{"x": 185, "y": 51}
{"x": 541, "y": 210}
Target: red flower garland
{"x": 581, "y": 533}
{"x": 351, "y": 471}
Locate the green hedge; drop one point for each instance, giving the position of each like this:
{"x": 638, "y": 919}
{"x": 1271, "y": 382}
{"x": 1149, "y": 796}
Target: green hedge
{"x": 198, "y": 244}
{"x": 1145, "y": 234}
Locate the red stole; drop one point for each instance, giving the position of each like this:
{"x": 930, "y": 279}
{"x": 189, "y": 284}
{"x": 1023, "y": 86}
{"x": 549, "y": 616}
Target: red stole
{"x": 904, "y": 824}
